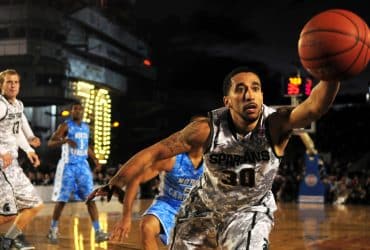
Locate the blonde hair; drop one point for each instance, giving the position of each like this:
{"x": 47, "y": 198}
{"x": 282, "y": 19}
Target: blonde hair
{"x": 7, "y": 72}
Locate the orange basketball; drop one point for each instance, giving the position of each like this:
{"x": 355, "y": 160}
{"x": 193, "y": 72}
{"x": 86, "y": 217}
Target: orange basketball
{"x": 334, "y": 45}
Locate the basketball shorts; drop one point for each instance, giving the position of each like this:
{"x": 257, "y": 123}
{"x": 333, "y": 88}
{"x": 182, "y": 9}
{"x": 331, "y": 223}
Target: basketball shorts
{"x": 72, "y": 180}
{"x": 165, "y": 210}
{"x": 199, "y": 228}
{"x": 16, "y": 191}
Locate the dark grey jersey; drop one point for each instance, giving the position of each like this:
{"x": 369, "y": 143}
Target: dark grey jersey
{"x": 238, "y": 172}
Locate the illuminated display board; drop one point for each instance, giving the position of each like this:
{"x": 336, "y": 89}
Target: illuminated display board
{"x": 298, "y": 86}
{"x": 97, "y": 113}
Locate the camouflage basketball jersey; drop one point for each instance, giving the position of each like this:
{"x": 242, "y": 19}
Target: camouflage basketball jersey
{"x": 239, "y": 171}
{"x": 10, "y": 125}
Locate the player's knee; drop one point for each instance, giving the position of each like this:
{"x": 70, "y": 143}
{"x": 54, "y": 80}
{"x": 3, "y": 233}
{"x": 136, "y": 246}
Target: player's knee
{"x": 147, "y": 227}
{"x": 91, "y": 204}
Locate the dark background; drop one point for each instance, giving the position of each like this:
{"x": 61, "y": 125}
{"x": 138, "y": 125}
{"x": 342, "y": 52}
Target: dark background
{"x": 196, "y": 43}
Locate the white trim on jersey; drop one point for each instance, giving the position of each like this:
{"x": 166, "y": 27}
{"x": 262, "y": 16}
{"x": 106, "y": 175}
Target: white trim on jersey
{"x": 58, "y": 179}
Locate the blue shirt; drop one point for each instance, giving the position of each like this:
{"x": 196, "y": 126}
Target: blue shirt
{"x": 178, "y": 182}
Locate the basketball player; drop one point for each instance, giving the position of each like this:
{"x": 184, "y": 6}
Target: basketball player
{"x": 73, "y": 173}
{"x": 18, "y": 197}
{"x": 232, "y": 206}
{"x": 180, "y": 173}
{"x": 33, "y": 140}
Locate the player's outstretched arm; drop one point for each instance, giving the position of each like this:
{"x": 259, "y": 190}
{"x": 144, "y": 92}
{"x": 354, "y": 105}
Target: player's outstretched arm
{"x": 317, "y": 104}
{"x": 123, "y": 226}
{"x": 108, "y": 191}
{"x": 194, "y": 134}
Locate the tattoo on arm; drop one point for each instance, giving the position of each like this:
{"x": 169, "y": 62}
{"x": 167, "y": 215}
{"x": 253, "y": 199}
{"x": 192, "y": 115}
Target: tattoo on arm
{"x": 175, "y": 142}
{"x": 181, "y": 141}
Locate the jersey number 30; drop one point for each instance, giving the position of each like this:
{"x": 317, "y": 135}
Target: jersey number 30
{"x": 245, "y": 177}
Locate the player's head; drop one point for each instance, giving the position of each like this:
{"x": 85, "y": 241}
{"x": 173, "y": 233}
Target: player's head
{"x": 77, "y": 111}
{"x": 9, "y": 83}
{"x": 243, "y": 93}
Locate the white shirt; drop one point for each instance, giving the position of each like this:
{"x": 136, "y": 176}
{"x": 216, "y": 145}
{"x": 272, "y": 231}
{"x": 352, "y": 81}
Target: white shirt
{"x": 11, "y": 128}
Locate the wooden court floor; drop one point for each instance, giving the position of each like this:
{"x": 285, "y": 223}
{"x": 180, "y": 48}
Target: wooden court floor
{"x": 313, "y": 227}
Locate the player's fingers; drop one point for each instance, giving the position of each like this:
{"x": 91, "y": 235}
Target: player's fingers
{"x": 38, "y": 162}
{"x": 123, "y": 235}
{"x": 115, "y": 235}
{"x": 31, "y": 159}
{"x": 7, "y": 162}
{"x": 91, "y": 196}
{"x": 109, "y": 195}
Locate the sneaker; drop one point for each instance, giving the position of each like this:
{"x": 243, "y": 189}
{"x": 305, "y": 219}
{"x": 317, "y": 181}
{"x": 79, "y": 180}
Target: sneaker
{"x": 53, "y": 235}
{"x": 5, "y": 243}
{"x": 101, "y": 236}
{"x": 21, "y": 243}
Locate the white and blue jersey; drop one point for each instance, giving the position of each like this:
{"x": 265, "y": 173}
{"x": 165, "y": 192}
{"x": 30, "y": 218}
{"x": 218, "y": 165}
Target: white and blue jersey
{"x": 80, "y": 135}
{"x": 174, "y": 189}
{"x": 73, "y": 171}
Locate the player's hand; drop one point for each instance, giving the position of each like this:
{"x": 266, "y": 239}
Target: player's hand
{"x": 70, "y": 142}
{"x": 7, "y": 159}
{"x": 107, "y": 190}
{"x": 121, "y": 229}
{"x": 34, "y": 159}
{"x": 35, "y": 142}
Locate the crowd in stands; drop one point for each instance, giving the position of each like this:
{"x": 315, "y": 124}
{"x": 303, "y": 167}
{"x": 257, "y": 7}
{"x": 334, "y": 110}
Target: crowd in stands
{"x": 341, "y": 184}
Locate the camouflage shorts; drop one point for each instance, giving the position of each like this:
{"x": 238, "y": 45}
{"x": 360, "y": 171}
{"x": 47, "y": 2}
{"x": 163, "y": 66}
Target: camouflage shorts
{"x": 206, "y": 230}
{"x": 16, "y": 191}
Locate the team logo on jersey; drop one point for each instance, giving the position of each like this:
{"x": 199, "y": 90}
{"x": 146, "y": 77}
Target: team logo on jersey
{"x": 6, "y": 208}
{"x": 265, "y": 244}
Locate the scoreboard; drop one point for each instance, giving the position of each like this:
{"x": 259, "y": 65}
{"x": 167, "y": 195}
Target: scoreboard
{"x": 298, "y": 86}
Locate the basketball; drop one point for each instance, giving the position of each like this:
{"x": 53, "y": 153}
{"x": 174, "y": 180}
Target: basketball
{"x": 334, "y": 45}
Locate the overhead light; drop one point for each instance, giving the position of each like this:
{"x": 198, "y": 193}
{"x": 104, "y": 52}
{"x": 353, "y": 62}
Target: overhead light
{"x": 147, "y": 62}
{"x": 115, "y": 124}
{"x": 65, "y": 113}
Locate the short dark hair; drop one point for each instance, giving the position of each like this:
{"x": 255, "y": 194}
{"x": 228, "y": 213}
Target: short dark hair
{"x": 227, "y": 80}
{"x": 76, "y": 103}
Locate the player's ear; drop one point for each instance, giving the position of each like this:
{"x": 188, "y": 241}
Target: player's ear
{"x": 227, "y": 101}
